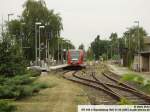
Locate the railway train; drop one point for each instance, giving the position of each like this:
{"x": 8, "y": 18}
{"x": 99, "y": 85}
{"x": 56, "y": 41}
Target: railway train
{"x": 75, "y": 58}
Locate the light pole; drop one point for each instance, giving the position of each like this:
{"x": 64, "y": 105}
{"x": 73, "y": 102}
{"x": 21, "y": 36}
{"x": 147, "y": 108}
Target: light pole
{"x": 21, "y": 35}
{"x": 2, "y": 29}
{"x": 65, "y": 56}
{"x": 46, "y": 42}
{"x": 53, "y": 49}
{"x": 62, "y": 50}
{"x": 111, "y": 51}
{"x": 128, "y": 32}
{"x": 58, "y": 47}
{"x": 40, "y": 27}
{"x": 47, "y": 39}
{"x": 68, "y": 41}
{"x": 11, "y": 14}
{"x": 36, "y": 24}
{"x": 139, "y": 48}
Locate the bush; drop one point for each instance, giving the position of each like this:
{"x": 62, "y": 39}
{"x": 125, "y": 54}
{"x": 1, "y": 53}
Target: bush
{"x": 143, "y": 84}
{"x": 38, "y": 86}
{"x": 11, "y": 59}
{"x": 15, "y": 87}
{"x": 20, "y": 80}
{"x": 145, "y": 87}
{"x": 6, "y": 107}
{"x": 124, "y": 101}
{"x": 133, "y": 78}
{"x": 25, "y": 91}
{"x": 104, "y": 56}
{"x": 34, "y": 73}
{"x": 115, "y": 57}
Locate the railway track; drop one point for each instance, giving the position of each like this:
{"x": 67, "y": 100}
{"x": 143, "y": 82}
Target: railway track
{"x": 110, "y": 85}
{"x": 126, "y": 91}
{"x": 106, "y": 99}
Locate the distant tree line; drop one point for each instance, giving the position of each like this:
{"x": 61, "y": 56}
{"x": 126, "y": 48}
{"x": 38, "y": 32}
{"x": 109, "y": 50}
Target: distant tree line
{"x": 118, "y": 47}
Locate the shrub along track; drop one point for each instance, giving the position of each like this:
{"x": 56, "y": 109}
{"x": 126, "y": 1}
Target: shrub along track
{"x": 110, "y": 84}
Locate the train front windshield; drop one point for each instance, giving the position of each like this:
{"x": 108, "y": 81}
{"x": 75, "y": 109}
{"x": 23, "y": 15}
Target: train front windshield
{"x": 74, "y": 54}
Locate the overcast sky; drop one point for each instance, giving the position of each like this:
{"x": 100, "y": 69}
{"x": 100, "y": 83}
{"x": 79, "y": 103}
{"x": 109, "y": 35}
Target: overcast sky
{"x": 84, "y": 19}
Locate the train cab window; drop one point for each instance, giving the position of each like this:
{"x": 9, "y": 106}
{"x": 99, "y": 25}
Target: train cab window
{"x": 74, "y": 54}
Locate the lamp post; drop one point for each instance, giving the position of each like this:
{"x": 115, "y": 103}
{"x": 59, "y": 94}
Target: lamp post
{"x": 111, "y": 51}
{"x": 36, "y": 24}
{"x": 58, "y": 47}
{"x": 11, "y": 14}
{"x": 65, "y": 56}
{"x": 40, "y": 27}
{"x": 62, "y": 52}
{"x": 129, "y": 37}
{"x": 139, "y": 47}
{"x": 47, "y": 39}
{"x": 21, "y": 35}
{"x": 67, "y": 49}
{"x": 68, "y": 41}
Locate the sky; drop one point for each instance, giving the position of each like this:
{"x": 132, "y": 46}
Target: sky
{"x": 83, "y": 20}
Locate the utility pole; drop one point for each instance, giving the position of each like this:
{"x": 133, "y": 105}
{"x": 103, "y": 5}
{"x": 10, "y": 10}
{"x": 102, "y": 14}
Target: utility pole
{"x": 40, "y": 27}
{"x": 21, "y": 36}
{"x": 62, "y": 52}
{"x": 58, "y": 46}
{"x": 53, "y": 53}
{"x": 2, "y": 28}
{"x": 139, "y": 46}
{"x": 46, "y": 46}
{"x": 111, "y": 51}
{"x": 129, "y": 37}
{"x": 11, "y": 14}
{"x": 36, "y": 24}
{"x": 118, "y": 50}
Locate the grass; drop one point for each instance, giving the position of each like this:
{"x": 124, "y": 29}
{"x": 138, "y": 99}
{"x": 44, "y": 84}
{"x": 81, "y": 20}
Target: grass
{"x": 6, "y": 106}
{"x": 132, "y": 77}
{"x": 61, "y": 96}
{"x": 125, "y": 101}
{"x": 143, "y": 84}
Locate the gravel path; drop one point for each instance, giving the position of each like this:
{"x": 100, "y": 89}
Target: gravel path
{"x": 123, "y": 70}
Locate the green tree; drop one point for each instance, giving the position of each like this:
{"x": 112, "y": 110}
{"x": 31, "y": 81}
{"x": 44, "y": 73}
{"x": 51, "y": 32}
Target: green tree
{"x": 114, "y": 44}
{"x": 134, "y": 42}
{"x": 35, "y": 11}
{"x": 11, "y": 60}
{"x": 95, "y": 47}
{"x": 81, "y": 47}
{"x": 100, "y": 47}
{"x": 90, "y": 54}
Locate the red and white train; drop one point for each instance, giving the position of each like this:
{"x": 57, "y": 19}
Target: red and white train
{"x": 75, "y": 58}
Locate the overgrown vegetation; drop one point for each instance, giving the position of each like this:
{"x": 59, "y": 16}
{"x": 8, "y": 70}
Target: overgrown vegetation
{"x": 125, "y": 101}
{"x": 17, "y": 49}
{"x": 11, "y": 60}
{"x": 6, "y": 107}
{"x": 133, "y": 78}
{"x": 143, "y": 84}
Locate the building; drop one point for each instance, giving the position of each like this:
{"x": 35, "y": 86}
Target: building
{"x": 141, "y": 61}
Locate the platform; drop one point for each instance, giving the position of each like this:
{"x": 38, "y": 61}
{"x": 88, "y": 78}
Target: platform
{"x": 58, "y": 67}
